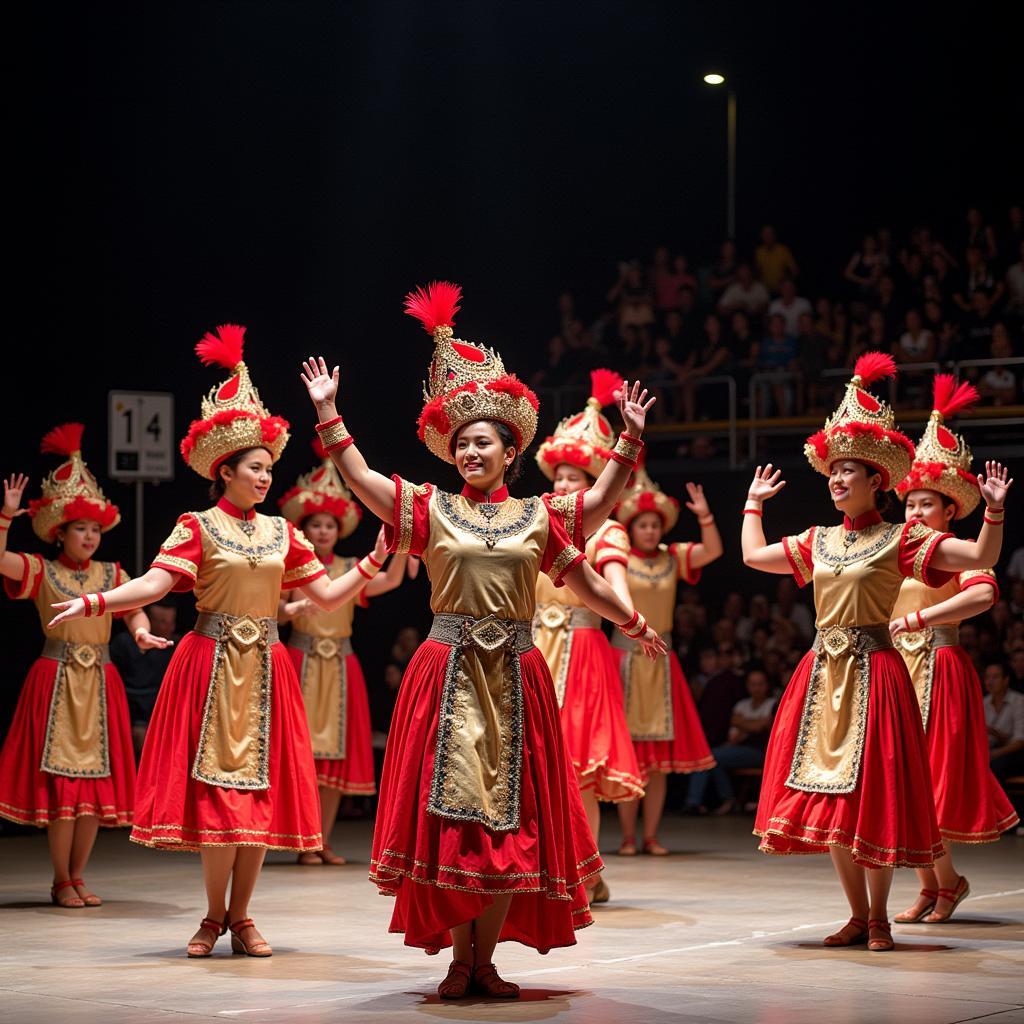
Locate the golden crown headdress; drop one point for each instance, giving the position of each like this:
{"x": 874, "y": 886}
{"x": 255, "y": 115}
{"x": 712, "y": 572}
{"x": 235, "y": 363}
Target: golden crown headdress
{"x": 587, "y": 438}
{"x": 321, "y": 490}
{"x": 644, "y": 495}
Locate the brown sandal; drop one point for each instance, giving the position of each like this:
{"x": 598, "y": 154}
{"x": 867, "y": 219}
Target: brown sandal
{"x": 859, "y": 936}
{"x": 197, "y": 949}
{"x": 884, "y": 943}
{"x": 259, "y": 948}
{"x": 90, "y": 899}
{"x": 627, "y": 848}
{"x": 908, "y": 917}
{"x": 487, "y": 983}
{"x": 654, "y": 848}
{"x": 954, "y": 896}
{"x": 69, "y": 902}
{"x": 456, "y": 981}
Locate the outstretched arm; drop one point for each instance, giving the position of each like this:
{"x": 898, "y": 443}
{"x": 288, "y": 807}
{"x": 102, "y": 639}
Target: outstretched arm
{"x": 11, "y": 566}
{"x": 710, "y": 546}
{"x": 134, "y": 594}
{"x": 331, "y": 594}
{"x": 600, "y": 499}
{"x": 757, "y": 552}
{"x": 953, "y": 555}
{"x": 391, "y": 577}
{"x": 373, "y": 489}
{"x": 138, "y": 625}
{"x": 970, "y": 602}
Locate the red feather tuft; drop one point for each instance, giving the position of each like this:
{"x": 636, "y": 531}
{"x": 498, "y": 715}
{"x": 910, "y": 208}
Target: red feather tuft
{"x": 272, "y": 427}
{"x": 63, "y": 440}
{"x": 434, "y": 306}
{"x": 819, "y": 443}
{"x": 318, "y": 448}
{"x": 603, "y": 385}
{"x": 224, "y": 348}
{"x": 509, "y": 384}
{"x": 951, "y": 398}
{"x": 874, "y": 366}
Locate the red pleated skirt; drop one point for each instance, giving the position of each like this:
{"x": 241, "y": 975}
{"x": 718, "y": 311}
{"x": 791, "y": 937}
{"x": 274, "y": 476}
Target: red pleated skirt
{"x": 594, "y": 721}
{"x": 889, "y": 819}
{"x": 445, "y": 872}
{"x": 353, "y": 774}
{"x": 174, "y": 811}
{"x": 32, "y": 797}
{"x": 970, "y": 805}
{"x": 688, "y": 751}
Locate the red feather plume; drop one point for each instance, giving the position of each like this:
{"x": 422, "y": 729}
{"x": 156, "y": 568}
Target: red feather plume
{"x": 434, "y": 306}
{"x": 318, "y": 448}
{"x": 951, "y": 398}
{"x": 603, "y": 385}
{"x": 63, "y": 440}
{"x": 224, "y": 348}
{"x": 874, "y": 366}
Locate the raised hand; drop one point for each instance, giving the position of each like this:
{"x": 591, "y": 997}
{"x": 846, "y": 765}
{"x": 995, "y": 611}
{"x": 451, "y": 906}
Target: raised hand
{"x": 994, "y": 485}
{"x": 633, "y": 406}
{"x": 321, "y": 385}
{"x": 14, "y": 488}
{"x": 380, "y": 547}
{"x": 766, "y": 484}
{"x": 147, "y": 641}
{"x": 652, "y": 644}
{"x": 697, "y": 504}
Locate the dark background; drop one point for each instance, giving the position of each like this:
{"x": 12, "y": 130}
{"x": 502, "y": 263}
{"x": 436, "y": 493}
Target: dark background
{"x": 298, "y": 166}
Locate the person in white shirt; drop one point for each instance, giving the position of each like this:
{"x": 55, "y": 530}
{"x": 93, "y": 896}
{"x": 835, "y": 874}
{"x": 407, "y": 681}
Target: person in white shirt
{"x": 1015, "y": 285}
{"x": 1004, "y": 716}
{"x": 790, "y": 306}
{"x": 745, "y": 293}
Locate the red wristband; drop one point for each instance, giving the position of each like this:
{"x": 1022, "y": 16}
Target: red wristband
{"x": 373, "y": 561}
{"x": 753, "y": 512}
{"x": 906, "y": 624}
{"x": 101, "y": 604}
{"x": 363, "y": 572}
{"x": 993, "y": 522}
{"x": 6, "y": 518}
{"x": 623, "y": 461}
{"x": 632, "y": 622}
{"x": 920, "y": 621}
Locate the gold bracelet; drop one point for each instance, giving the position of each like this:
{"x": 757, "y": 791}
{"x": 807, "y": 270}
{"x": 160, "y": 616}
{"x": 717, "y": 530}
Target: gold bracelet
{"x": 334, "y": 435}
{"x": 628, "y": 448}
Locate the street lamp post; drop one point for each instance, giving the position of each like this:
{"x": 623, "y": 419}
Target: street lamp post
{"x": 715, "y": 79}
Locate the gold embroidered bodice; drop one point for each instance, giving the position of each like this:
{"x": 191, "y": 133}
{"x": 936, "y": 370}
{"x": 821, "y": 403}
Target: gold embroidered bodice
{"x": 333, "y": 624}
{"x": 652, "y": 584}
{"x": 59, "y": 583}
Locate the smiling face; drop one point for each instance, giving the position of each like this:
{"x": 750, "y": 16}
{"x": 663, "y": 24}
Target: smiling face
{"x": 570, "y": 479}
{"x": 645, "y": 531}
{"x": 80, "y": 539}
{"x": 246, "y": 484}
{"x": 928, "y": 507}
{"x": 481, "y": 457}
{"x": 853, "y": 486}
{"x": 321, "y": 531}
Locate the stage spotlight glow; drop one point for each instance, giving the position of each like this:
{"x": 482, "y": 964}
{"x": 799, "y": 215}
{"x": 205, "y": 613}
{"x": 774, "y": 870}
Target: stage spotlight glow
{"x": 714, "y": 78}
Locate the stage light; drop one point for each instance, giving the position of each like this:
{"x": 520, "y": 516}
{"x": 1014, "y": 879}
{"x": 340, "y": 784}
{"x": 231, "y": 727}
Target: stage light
{"x": 714, "y": 78}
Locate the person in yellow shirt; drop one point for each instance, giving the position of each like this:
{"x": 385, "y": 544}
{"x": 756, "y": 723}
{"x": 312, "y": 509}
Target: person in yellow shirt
{"x": 774, "y": 261}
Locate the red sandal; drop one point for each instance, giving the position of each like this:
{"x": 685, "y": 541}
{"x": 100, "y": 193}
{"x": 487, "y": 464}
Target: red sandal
{"x": 839, "y": 939}
{"x": 70, "y": 903}
{"x": 654, "y": 848}
{"x": 955, "y": 896}
{"x": 92, "y": 900}
{"x": 907, "y": 917}
{"x": 456, "y": 981}
{"x": 258, "y": 948}
{"x": 883, "y": 944}
{"x": 627, "y": 848}
{"x": 198, "y": 949}
{"x": 487, "y": 983}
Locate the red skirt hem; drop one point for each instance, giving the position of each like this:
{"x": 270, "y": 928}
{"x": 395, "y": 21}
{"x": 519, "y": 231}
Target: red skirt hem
{"x": 786, "y": 838}
{"x": 44, "y": 816}
{"x": 178, "y": 838}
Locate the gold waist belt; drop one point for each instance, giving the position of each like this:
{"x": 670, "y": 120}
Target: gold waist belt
{"x": 929, "y": 639}
{"x": 241, "y": 630}
{"x": 555, "y": 616}
{"x": 839, "y": 640}
{"x": 488, "y": 633}
{"x": 321, "y": 646}
{"x": 66, "y": 651}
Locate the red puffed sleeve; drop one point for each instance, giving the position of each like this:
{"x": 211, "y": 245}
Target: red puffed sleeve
{"x": 560, "y": 554}
{"x": 800, "y": 553}
{"x": 301, "y": 566}
{"x": 409, "y": 532}
{"x": 974, "y": 577}
{"x": 918, "y": 544}
{"x": 569, "y": 507}
{"x": 27, "y": 588}
{"x": 683, "y": 554}
{"x": 611, "y": 545}
{"x": 182, "y": 553}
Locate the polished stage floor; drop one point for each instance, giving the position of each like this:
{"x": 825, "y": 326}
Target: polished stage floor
{"x": 715, "y": 933}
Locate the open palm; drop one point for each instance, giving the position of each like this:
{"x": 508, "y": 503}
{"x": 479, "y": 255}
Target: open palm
{"x": 321, "y": 385}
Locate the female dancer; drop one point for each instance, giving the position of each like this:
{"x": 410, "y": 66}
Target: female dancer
{"x": 660, "y": 711}
{"x": 227, "y": 768}
{"x": 320, "y": 645}
{"x": 481, "y": 833}
{"x": 67, "y": 763}
{"x": 846, "y": 770}
{"x": 568, "y": 634}
{"x": 970, "y": 805}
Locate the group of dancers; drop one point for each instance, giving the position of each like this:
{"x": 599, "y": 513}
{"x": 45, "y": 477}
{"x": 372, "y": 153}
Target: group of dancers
{"x": 516, "y": 715}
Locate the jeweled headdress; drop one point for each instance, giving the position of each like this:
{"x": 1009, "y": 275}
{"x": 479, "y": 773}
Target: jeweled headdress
{"x": 863, "y": 428}
{"x": 70, "y": 492}
{"x": 644, "y": 495}
{"x": 943, "y": 460}
{"x": 586, "y": 439}
{"x": 467, "y": 382}
{"x": 233, "y": 417}
{"x": 321, "y": 490}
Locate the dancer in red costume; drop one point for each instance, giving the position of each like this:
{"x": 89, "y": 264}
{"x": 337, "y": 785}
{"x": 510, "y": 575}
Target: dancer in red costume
{"x": 569, "y": 634}
{"x": 481, "y": 833}
{"x": 662, "y": 717}
{"x": 846, "y": 770}
{"x": 320, "y": 645}
{"x": 970, "y": 805}
{"x": 227, "y": 767}
{"x": 67, "y": 763}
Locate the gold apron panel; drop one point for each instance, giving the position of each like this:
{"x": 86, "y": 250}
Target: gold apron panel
{"x": 325, "y": 695}
{"x": 76, "y": 743}
{"x": 647, "y": 691}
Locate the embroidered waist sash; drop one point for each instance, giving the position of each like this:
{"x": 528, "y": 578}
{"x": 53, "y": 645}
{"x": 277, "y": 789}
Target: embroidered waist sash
{"x": 830, "y": 740}
{"x": 324, "y": 679}
{"x": 918, "y": 649}
{"x": 478, "y": 760}
{"x": 646, "y": 689}
{"x": 76, "y": 744}
{"x": 553, "y": 627}
{"x": 234, "y": 740}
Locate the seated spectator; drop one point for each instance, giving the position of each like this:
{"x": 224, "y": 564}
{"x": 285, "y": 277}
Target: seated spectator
{"x": 1015, "y": 572}
{"x": 865, "y": 266}
{"x": 774, "y": 261}
{"x": 555, "y": 371}
{"x": 790, "y": 306}
{"x": 707, "y": 667}
{"x": 714, "y": 357}
{"x": 745, "y": 294}
{"x": 1017, "y": 669}
{"x": 719, "y": 696}
{"x": 916, "y": 343}
{"x": 760, "y": 616}
{"x": 723, "y": 270}
{"x": 998, "y": 384}
{"x": 816, "y": 353}
{"x": 1015, "y": 285}
{"x": 664, "y": 376}
{"x": 143, "y": 671}
{"x": 977, "y": 278}
{"x": 632, "y": 296}
{"x": 744, "y": 747}
{"x": 777, "y": 354}
{"x": 980, "y": 235}
{"x": 889, "y": 305}
{"x": 789, "y": 607}
{"x": 1004, "y": 716}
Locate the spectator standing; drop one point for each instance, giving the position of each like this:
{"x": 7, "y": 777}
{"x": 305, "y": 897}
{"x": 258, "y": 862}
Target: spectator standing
{"x": 774, "y": 261}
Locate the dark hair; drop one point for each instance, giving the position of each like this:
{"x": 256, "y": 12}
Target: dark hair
{"x": 232, "y": 462}
{"x": 883, "y": 500}
{"x": 1003, "y": 666}
{"x": 508, "y": 440}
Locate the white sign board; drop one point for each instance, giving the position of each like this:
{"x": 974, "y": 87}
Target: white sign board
{"x": 141, "y": 433}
